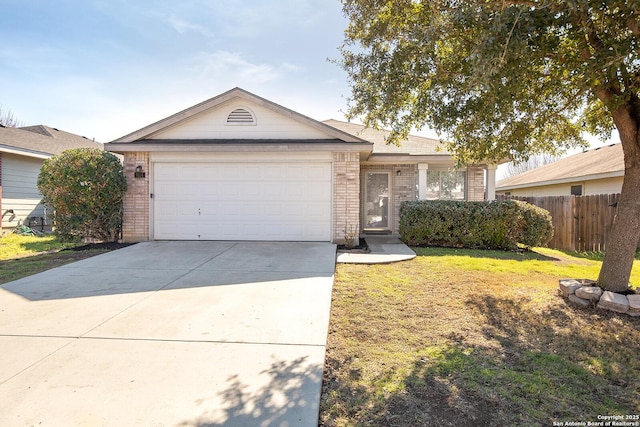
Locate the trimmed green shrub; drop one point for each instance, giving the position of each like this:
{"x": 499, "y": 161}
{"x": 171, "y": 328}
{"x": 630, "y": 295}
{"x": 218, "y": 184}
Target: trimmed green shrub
{"x": 85, "y": 188}
{"x": 476, "y": 225}
{"x": 537, "y": 227}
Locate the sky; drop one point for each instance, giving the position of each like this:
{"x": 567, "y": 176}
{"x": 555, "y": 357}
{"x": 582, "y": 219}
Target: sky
{"x": 105, "y": 68}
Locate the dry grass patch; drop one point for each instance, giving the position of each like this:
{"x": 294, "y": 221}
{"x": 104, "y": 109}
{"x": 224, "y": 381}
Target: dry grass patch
{"x": 458, "y": 337}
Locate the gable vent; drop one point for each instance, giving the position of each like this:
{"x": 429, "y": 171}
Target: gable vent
{"x": 240, "y": 116}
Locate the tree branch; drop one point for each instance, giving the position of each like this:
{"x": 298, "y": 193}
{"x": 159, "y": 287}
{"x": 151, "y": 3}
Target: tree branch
{"x": 506, "y": 45}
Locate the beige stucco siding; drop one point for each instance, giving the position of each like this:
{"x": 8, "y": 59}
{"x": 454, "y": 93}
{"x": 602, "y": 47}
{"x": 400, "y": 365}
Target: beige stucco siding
{"x": 19, "y": 190}
{"x": 603, "y": 186}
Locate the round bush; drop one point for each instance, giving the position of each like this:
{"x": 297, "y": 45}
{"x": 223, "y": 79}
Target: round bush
{"x": 85, "y": 188}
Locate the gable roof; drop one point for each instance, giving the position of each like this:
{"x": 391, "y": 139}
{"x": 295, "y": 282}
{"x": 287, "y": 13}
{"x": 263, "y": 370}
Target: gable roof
{"x": 147, "y": 132}
{"x": 41, "y": 141}
{"x": 602, "y": 162}
{"x": 413, "y": 145}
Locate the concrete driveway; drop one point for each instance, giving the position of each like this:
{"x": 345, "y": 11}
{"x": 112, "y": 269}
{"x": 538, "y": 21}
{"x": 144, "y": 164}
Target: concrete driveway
{"x": 169, "y": 334}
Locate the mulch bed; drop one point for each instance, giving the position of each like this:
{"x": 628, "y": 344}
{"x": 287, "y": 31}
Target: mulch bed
{"x": 110, "y": 246}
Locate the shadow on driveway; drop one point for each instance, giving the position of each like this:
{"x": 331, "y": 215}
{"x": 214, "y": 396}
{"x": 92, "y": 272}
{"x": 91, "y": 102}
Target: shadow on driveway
{"x": 154, "y": 266}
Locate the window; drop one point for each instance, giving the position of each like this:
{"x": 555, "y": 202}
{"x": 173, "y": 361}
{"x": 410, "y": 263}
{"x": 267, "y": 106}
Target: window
{"x": 576, "y": 190}
{"x": 445, "y": 185}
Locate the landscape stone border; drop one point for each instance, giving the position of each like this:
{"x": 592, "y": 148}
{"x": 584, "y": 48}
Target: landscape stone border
{"x": 586, "y": 293}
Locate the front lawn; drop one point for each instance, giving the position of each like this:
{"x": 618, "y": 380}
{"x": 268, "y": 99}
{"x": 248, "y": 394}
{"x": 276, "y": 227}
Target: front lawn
{"x": 18, "y": 246}
{"x": 460, "y": 337}
{"x": 22, "y": 256}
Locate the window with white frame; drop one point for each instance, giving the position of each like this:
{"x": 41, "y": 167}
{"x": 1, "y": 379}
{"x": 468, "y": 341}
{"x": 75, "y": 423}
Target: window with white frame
{"x": 445, "y": 185}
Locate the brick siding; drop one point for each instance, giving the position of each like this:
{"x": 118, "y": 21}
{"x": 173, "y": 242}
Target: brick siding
{"x": 346, "y": 193}
{"x": 475, "y": 183}
{"x": 135, "y": 224}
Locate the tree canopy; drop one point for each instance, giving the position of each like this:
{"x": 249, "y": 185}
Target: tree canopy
{"x": 498, "y": 79}
{"x": 505, "y": 79}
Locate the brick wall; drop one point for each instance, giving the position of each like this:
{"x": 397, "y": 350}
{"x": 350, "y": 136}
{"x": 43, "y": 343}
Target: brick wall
{"x": 475, "y": 183}
{"x": 346, "y": 193}
{"x": 135, "y": 224}
{"x": 403, "y": 188}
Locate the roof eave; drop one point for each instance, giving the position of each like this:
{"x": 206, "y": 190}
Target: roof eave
{"x": 24, "y": 152}
{"x": 409, "y": 158}
{"x": 258, "y": 146}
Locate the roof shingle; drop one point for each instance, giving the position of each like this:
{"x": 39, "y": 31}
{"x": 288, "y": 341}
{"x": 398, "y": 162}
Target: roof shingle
{"x": 43, "y": 140}
{"x": 413, "y": 145}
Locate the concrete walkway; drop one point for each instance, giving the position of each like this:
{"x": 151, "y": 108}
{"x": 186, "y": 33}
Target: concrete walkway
{"x": 169, "y": 334}
{"x": 382, "y": 250}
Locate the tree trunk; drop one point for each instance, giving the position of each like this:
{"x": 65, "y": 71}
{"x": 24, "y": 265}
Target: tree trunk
{"x": 625, "y": 232}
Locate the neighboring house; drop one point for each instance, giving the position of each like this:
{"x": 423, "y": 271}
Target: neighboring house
{"x": 596, "y": 171}
{"x": 22, "y": 152}
{"x": 240, "y": 167}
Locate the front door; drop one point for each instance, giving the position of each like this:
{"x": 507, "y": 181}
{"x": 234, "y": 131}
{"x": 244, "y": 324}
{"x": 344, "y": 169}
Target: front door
{"x": 376, "y": 203}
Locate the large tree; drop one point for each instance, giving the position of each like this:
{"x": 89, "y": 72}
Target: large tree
{"x": 506, "y": 79}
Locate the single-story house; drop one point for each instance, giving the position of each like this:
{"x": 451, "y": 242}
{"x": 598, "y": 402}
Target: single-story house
{"x": 240, "y": 167}
{"x": 596, "y": 171}
{"x": 22, "y": 152}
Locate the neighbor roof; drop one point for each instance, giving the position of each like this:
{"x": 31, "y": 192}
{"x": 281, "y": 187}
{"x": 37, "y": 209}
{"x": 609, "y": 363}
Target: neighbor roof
{"x": 602, "y": 162}
{"x": 413, "y": 145}
{"x": 41, "y": 141}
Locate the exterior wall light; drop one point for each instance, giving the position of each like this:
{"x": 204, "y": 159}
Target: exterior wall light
{"x": 139, "y": 173}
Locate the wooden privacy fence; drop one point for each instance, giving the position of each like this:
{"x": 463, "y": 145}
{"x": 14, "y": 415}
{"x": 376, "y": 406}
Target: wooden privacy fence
{"x": 581, "y": 223}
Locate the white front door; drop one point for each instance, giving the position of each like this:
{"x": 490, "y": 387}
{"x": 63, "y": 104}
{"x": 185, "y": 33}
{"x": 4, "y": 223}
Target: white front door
{"x": 238, "y": 201}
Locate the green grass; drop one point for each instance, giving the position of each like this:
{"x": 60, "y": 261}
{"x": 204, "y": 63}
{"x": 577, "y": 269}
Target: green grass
{"x": 18, "y": 246}
{"x": 22, "y": 256}
{"x": 461, "y": 337}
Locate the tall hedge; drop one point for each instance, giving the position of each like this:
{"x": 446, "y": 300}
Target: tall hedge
{"x": 476, "y": 225}
{"x": 85, "y": 188}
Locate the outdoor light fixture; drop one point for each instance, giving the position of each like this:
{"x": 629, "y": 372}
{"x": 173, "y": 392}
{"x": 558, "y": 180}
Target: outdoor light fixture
{"x": 398, "y": 172}
{"x": 139, "y": 173}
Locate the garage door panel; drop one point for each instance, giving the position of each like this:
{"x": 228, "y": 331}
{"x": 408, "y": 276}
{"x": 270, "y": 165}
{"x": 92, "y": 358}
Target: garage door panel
{"x": 231, "y": 173}
{"x": 252, "y": 172}
{"x": 316, "y": 172}
{"x": 317, "y": 211}
{"x": 272, "y": 210}
{"x": 283, "y": 201}
{"x": 273, "y": 172}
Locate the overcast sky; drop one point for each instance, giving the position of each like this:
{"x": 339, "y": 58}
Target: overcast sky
{"x": 104, "y": 68}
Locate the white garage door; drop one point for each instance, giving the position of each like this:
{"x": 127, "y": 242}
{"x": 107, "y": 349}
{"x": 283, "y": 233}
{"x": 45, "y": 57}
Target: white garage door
{"x": 233, "y": 201}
